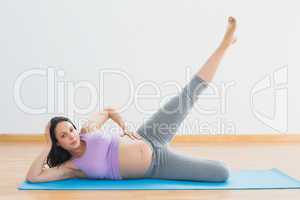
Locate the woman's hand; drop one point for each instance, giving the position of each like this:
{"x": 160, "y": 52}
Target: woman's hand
{"x": 132, "y": 135}
{"x": 84, "y": 130}
{"x": 47, "y": 135}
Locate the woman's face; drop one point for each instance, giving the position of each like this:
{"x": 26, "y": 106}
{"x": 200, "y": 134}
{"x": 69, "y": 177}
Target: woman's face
{"x": 66, "y": 135}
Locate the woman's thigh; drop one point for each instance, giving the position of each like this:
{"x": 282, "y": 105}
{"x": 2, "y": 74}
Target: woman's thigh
{"x": 171, "y": 164}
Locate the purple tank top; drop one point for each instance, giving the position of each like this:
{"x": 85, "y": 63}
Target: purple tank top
{"x": 100, "y": 159}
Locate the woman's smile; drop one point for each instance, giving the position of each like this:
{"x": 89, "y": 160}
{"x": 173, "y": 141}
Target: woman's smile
{"x": 73, "y": 143}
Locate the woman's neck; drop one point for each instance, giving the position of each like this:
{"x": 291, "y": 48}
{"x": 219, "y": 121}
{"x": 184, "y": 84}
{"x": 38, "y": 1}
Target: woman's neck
{"x": 79, "y": 151}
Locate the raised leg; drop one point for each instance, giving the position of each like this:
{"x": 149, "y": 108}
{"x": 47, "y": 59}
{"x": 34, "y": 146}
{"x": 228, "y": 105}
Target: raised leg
{"x": 163, "y": 124}
{"x": 161, "y": 127}
{"x": 208, "y": 70}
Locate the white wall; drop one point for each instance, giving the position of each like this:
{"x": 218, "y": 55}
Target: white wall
{"x": 153, "y": 42}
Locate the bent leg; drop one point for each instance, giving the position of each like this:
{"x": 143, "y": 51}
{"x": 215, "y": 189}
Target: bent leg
{"x": 170, "y": 164}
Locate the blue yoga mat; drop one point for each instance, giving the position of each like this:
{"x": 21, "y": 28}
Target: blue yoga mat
{"x": 239, "y": 180}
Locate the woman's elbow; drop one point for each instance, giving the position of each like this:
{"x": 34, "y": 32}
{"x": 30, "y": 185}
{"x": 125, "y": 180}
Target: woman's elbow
{"x": 30, "y": 179}
{"x": 35, "y": 179}
{"x": 111, "y": 109}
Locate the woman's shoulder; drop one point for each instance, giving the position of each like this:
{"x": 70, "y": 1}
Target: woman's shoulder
{"x": 69, "y": 165}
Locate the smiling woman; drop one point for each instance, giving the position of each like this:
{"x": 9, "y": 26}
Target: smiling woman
{"x": 65, "y": 137}
{"x": 73, "y": 155}
{"x": 93, "y": 155}
{"x": 63, "y": 133}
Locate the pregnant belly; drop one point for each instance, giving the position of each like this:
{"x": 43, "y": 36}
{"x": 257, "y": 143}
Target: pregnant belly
{"x": 134, "y": 157}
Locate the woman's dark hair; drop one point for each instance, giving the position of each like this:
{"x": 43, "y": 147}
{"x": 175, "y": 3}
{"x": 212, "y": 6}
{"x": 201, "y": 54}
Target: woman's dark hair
{"x": 57, "y": 154}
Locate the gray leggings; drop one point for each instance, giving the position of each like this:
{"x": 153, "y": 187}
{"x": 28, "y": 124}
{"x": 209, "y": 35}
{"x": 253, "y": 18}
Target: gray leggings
{"x": 159, "y": 130}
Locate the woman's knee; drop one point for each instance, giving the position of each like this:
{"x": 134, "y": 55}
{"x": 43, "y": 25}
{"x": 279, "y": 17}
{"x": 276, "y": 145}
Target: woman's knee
{"x": 222, "y": 172}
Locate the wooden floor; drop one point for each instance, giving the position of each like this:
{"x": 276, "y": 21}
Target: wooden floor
{"x": 16, "y": 158}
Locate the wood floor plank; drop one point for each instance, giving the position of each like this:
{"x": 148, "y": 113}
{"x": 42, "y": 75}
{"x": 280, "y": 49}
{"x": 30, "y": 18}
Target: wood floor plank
{"x": 16, "y": 158}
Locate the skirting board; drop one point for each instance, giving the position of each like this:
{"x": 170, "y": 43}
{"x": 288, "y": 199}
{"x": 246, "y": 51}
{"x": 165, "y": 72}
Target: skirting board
{"x": 290, "y": 138}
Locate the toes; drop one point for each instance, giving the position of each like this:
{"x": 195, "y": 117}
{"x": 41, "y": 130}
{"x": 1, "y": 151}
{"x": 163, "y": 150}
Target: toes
{"x": 231, "y": 19}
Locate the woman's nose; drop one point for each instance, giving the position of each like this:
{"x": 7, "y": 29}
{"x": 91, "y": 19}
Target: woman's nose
{"x": 72, "y": 137}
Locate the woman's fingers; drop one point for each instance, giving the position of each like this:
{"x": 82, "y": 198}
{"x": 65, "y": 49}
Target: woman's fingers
{"x": 124, "y": 133}
{"x": 132, "y": 135}
{"x": 137, "y": 136}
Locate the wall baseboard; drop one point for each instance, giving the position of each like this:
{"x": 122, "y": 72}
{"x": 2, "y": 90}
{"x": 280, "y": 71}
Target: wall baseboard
{"x": 268, "y": 138}
{"x": 291, "y": 138}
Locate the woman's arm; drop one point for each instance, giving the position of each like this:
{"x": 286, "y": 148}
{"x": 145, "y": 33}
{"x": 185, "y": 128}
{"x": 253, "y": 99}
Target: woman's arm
{"x": 98, "y": 119}
{"x": 116, "y": 117}
{"x": 95, "y": 121}
{"x": 37, "y": 173}
{"x": 37, "y": 165}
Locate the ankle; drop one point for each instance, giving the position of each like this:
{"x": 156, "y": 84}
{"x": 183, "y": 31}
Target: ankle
{"x": 223, "y": 46}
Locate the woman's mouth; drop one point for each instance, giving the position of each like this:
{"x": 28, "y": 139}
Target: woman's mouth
{"x": 72, "y": 143}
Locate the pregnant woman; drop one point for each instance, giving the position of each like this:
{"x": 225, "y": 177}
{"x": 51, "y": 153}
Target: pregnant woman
{"x": 89, "y": 153}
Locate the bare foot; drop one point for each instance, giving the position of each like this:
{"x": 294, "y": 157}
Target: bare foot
{"x": 229, "y": 37}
